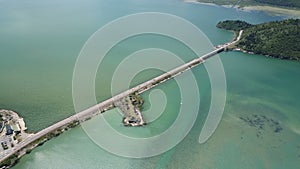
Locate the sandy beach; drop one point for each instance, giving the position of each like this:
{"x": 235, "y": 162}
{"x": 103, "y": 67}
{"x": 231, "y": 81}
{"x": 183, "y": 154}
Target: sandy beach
{"x": 197, "y": 2}
{"x": 277, "y": 11}
{"x": 274, "y": 11}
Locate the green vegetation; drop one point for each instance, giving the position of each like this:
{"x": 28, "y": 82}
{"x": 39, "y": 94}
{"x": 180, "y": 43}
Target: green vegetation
{"x": 136, "y": 100}
{"x": 279, "y": 39}
{"x": 285, "y": 3}
{"x": 10, "y": 161}
{"x": 242, "y": 3}
{"x": 13, "y": 159}
{"x": 234, "y": 25}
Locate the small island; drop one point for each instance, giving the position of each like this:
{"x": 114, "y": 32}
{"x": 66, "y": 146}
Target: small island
{"x": 131, "y": 109}
{"x": 278, "y": 39}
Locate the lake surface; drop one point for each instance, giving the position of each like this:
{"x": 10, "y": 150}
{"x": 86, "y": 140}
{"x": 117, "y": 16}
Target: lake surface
{"x": 39, "y": 44}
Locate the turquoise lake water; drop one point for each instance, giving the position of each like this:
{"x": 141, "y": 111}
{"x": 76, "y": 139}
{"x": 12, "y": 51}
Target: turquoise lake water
{"x": 39, "y": 44}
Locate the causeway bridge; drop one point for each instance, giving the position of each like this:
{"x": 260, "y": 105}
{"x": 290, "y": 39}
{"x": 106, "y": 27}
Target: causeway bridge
{"x": 109, "y": 103}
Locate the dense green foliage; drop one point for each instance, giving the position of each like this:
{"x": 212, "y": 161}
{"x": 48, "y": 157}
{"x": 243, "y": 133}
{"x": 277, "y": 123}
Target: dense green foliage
{"x": 279, "y": 3}
{"x": 10, "y": 161}
{"x": 286, "y": 3}
{"x": 234, "y": 25}
{"x": 280, "y": 39}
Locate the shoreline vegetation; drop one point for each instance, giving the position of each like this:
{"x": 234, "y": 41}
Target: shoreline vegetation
{"x": 277, "y": 10}
{"x": 20, "y": 136}
{"x": 277, "y": 39}
{"x": 14, "y": 159}
{"x": 132, "y": 117}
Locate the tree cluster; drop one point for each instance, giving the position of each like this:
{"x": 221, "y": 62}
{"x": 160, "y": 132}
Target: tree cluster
{"x": 280, "y": 39}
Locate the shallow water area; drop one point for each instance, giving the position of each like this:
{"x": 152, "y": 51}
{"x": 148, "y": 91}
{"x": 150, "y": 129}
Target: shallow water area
{"x": 39, "y": 44}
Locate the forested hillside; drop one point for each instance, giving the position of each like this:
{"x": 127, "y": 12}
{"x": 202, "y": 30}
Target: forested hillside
{"x": 280, "y": 39}
{"x": 234, "y": 25}
{"x": 286, "y": 3}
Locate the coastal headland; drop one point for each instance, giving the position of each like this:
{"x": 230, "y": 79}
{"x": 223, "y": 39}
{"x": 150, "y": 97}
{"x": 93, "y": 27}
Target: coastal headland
{"x": 278, "y": 39}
